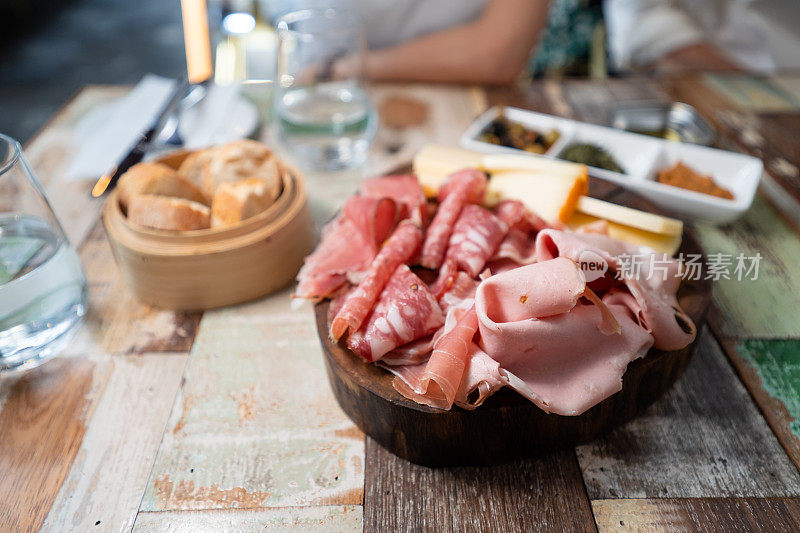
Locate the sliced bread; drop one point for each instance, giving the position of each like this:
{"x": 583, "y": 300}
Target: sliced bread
{"x": 157, "y": 179}
{"x": 231, "y": 162}
{"x": 239, "y": 200}
{"x": 162, "y": 212}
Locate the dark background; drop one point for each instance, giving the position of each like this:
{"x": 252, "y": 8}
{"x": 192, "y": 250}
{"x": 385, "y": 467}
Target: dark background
{"x": 51, "y": 48}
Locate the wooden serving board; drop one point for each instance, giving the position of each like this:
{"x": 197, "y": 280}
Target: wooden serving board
{"x": 506, "y": 426}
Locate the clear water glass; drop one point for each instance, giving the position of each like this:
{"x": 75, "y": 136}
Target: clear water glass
{"x": 322, "y": 112}
{"x": 43, "y": 290}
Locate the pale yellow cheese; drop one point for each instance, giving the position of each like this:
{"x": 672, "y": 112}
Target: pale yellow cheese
{"x": 434, "y": 162}
{"x": 551, "y": 196}
{"x": 630, "y": 217}
{"x": 661, "y": 243}
{"x": 503, "y": 162}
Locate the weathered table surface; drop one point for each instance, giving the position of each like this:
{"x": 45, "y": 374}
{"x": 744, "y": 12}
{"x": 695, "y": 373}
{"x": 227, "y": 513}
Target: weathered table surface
{"x": 153, "y": 420}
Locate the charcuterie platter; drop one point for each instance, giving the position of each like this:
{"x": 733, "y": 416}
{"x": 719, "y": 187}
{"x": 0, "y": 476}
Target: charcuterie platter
{"x": 512, "y": 420}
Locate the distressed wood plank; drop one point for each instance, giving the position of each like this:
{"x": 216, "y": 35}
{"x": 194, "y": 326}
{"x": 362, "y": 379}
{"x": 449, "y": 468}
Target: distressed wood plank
{"x": 771, "y": 371}
{"x": 105, "y": 484}
{"x": 697, "y": 441}
{"x": 546, "y": 493}
{"x": 765, "y": 307}
{"x": 255, "y": 424}
{"x": 116, "y": 322}
{"x": 42, "y": 424}
{"x": 343, "y": 518}
{"x": 698, "y": 515}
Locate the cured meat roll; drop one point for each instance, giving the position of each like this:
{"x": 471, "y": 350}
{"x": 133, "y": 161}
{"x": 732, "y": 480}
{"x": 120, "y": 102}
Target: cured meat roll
{"x": 462, "y": 188}
{"x": 348, "y": 245}
{"x": 403, "y": 189}
{"x": 398, "y": 250}
{"x": 405, "y": 311}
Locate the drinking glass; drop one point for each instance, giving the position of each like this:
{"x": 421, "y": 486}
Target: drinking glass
{"x": 42, "y": 285}
{"x": 323, "y": 113}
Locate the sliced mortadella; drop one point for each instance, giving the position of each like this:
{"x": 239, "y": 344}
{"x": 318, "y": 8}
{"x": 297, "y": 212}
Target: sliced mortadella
{"x": 406, "y": 310}
{"x": 562, "y": 363}
{"x": 398, "y": 249}
{"x": 461, "y": 188}
{"x": 482, "y": 378}
{"x": 653, "y": 282}
{"x": 533, "y": 291}
{"x": 438, "y": 385}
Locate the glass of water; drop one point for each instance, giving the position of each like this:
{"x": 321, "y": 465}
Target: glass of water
{"x": 323, "y": 113}
{"x": 42, "y": 285}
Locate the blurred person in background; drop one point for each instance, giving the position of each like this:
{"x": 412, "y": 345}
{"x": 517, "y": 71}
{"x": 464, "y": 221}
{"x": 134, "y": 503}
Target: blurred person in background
{"x": 468, "y": 41}
{"x": 760, "y": 36}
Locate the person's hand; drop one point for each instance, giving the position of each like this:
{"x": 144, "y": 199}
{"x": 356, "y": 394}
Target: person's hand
{"x": 698, "y": 57}
{"x": 349, "y": 66}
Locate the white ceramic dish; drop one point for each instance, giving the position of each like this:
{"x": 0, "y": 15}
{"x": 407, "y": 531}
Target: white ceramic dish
{"x": 641, "y": 157}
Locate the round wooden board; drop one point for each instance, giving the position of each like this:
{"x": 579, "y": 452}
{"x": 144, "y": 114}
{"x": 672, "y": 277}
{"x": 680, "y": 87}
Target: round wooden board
{"x": 506, "y": 426}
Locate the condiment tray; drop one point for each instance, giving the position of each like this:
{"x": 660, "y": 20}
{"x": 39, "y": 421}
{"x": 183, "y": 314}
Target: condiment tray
{"x": 641, "y": 157}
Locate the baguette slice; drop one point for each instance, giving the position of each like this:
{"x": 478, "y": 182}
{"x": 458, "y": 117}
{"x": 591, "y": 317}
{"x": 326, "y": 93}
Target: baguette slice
{"x": 231, "y": 162}
{"x": 162, "y": 212}
{"x": 239, "y": 200}
{"x": 157, "y": 179}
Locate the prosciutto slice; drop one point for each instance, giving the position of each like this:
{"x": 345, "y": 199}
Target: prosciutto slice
{"x": 462, "y": 188}
{"x": 406, "y": 310}
{"x": 654, "y": 289}
{"x": 405, "y": 190}
{"x": 551, "y": 347}
{"x": 347, "y": 247}
{"x": 398, "y": 250}
{"x": 439, "y": 383}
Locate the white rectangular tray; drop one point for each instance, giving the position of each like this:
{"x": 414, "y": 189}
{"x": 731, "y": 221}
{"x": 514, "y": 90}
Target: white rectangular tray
{"x": 641, "y": 157}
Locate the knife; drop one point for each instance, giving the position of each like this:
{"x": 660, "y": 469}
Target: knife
{"x": 108, "y": 180}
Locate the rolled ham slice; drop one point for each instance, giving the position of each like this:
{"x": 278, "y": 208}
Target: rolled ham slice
{"x": 405, "y": 190}
{"x": 439, "y": 383}
{"x": 398, "y": 249}
{"x": 347, "y": 246}
{"x": 462, "y": 188}
{"x": 552, "y": 348}
{"x": 654, "y": 290}
{"x": 406, "y": 310}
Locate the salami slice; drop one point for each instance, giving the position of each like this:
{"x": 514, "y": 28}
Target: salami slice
{"x": 399, "y": 249}
{"x": 403, "y": 189}
{"x": 462, "y": 188}
{"x": 406, "y": 310}
{"x": 476, "y": 236}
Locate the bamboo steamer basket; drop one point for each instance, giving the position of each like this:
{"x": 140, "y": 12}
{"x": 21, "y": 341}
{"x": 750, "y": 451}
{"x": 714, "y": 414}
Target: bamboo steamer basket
{"x": 204, "y": 269}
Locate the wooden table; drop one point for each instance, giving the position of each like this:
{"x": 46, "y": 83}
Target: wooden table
{"x": 154, "y": 420}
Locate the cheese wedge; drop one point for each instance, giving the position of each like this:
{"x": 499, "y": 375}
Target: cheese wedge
{"x": 661, "y": 243}
{"x": 551, "y": 196}
{"x": 630, "y": 217}
{"x": 503, "y": 162}
{"x": 434, "y": 162}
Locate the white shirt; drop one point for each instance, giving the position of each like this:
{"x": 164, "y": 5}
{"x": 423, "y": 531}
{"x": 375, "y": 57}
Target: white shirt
{"x": 391, "y": 22}
{"x": 761, "y": 35}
